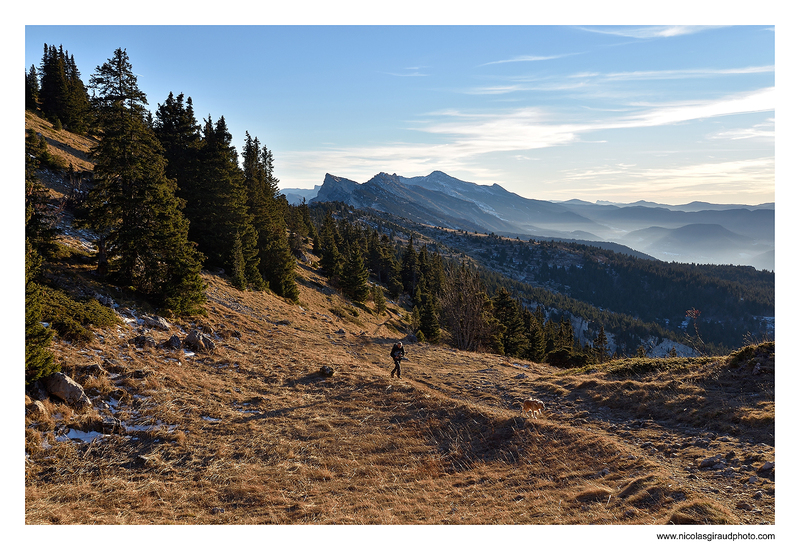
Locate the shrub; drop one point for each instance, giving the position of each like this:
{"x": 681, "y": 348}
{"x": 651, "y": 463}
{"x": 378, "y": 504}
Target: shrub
{"x": 70, "y": 318}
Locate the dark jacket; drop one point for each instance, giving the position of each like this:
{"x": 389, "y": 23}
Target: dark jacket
{"x": 397, "y": 352}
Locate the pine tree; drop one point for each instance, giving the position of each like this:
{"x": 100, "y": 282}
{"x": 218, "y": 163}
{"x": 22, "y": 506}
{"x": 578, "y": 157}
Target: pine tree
{"x": 32, "y": 90}
{"x": 39, "y": 360}
{"x": 238, "y": 278}
{"x": 76, "y": 103}
{"x": 63, "y": 96}
{"x": 40, "y": 222}
{"x": 217, "y": 204}
{"x": 409, "y": 271}
{"x": 535, "y": 350}
{"x": 177, "y": 129}
{"x": 132, "y": 206}
{"x": 53, "y": 87}
{"x": 268, "y": 210}
{"x": 355, "y": 278}
{"x": 429, "y": 319}
{"x": 378, "y": 299}
{"x": 331, "y": 261}
{"x": 507, "y": 313}
{"x": 600, "y": 346}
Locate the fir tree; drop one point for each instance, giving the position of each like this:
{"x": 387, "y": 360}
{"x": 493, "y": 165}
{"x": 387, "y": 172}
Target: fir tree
{"x": 32, "y": 90}
{"x": 409, "y": 271}
{"x": 40, "y": 222}
{"x": 378, "y": 299}
{"x": 217, "y": 204}
{"x": 429, "y": 319}
{"x": 331, "y": 261}
{"x": 177, "y": 129}
{"x": 132, "y": 206}
{"x": 39, "y": 360}
{"x": 507, "y": 313}
{"x": 600, "y": 346}
{"x": 355, "y": 278}
{"x": 268, "y": 210}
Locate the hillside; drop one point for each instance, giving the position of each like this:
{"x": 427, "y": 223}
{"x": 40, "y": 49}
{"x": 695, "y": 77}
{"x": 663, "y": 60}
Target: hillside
{"x": 250, "y": 432}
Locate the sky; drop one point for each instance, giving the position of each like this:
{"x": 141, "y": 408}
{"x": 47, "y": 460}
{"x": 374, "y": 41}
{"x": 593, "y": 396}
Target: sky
{"x": 663, "y": 113}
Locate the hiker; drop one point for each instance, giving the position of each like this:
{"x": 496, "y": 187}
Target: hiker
{"x": 397, "y": 353}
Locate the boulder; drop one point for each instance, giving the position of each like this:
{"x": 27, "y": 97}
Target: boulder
{"x": 174, "y": 342}
{"x": 198, "y": 341}
{"x": 64, "y": 387}
{"x": 156, "y": 322}
{"x": 34, "y": 408}
{"x": 143, "y": 342}
{"x": 326, "y": 371}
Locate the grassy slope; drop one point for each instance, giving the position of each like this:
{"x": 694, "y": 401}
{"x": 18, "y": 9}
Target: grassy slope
{"x": 250, "y": 433}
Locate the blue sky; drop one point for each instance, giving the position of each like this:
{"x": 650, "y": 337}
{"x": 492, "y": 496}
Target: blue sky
{"x": 663, "y": 113}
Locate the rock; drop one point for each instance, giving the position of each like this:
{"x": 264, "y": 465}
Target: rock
{"x": 742, "y": 505}
{"x": 94, "y": 370}
{"x": 174, "y": 342}
{"x": 143, "y": 342}
{"x": 156, "y": 322}
{"x": 208, "y": 342}
{"x": 35, "y": 408}
{"x": 194, "y": 341}
{"x": 758, "y": 495}
{"x": 766, "y": 467}
{"x": 326, "y": 371}
{"x": 64, "y": 387}
{"x": 710, "y": 462}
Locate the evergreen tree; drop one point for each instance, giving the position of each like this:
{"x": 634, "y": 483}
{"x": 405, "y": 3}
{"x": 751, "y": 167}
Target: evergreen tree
{"x": 132, "y": 206}
{"x": 217, "y": 204}
{"x": 53, "y": 88}
{"x": 507, "y": 313}
{"x": 268, "y": 210}
{"x": 76, "y": 103}
{"x": 535, "y": 350}
{"x": 429, "y": 319}
{"x": 40, "y": 222}
{"x": 32, "y": 90}
{"x": 395, "y": 284}
{"x": 355, "y": 278}
{"x": 177, "y": 129}
{"x": 331, "y": 261}
{"x": 39, "y": 360}
{"x": 238, "y": 278}
{"x": 409, "y": 271}
{"x": 63, "y": 96}
{"x": 378, "y": 299}
{"x": 600, "y": 346}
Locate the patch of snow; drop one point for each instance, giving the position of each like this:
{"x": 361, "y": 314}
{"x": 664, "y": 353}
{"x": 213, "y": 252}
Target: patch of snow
{"x": 86, "y": 437}
{"x": 211, "y": 418}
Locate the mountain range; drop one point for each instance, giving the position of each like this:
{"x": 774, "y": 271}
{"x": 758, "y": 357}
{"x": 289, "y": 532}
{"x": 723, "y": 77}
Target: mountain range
{"x": 697, "y": 232}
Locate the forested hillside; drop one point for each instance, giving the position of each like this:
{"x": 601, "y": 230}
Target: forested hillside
{"x": 167, "y": 196}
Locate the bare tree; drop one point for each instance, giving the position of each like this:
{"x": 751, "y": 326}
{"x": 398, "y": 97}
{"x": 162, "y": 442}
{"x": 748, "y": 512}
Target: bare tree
{"x": 466, "y": 310}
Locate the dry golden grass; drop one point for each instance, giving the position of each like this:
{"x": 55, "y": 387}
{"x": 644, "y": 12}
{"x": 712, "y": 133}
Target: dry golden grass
{"x": 251, "y": 433}
{"x": 71, "y": 148}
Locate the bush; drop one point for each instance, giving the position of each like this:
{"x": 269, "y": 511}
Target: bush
{"x": 70, "y": 318}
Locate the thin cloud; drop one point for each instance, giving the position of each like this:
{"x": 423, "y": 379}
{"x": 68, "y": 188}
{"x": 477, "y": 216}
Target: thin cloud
{"x": 663, "y": 31}
{"x": 523, "y": 58}
{"x": 416, "y": 73}
{"x": 460, "y": 139}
